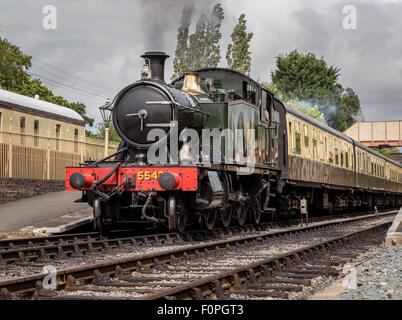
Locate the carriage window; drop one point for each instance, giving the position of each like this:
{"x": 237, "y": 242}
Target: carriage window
{"x": 331, "y": 151}
{"x": 298, "y": 143}
{"x": 314, "y": 143}
{"x": 365, "y": 167}
{"x": 347, "y": 159}
{"x": 315, "y": 148}
{"x": 307, "y": 145}
{"x": 341, "y": 159}
{"x": 336, "y": 156}
{"x": 290, "y": 135}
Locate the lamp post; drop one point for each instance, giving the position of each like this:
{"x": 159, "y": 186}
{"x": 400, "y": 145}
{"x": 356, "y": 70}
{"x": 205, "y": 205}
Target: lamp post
{"x": 106, "y": 114}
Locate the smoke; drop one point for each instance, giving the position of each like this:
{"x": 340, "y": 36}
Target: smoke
{"x": 322, "y": 111}
{"x": 215, "y": 18}
{"x": 359, "y": 117}
{"x": 328, "y": 110}
{"x": 202, "y": 21}
{"x": 161, "y": 18}
{"x": 187, "y": 15}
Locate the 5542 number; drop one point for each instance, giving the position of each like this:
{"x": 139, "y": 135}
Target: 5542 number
{"x": 148, "y": 175}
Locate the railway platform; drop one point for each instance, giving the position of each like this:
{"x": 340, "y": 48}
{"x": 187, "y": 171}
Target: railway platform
{"x": 53, "y": 212}
{"x": 394, "y": 234}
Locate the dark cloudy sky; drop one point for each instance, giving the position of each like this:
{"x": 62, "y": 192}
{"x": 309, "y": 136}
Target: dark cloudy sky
{"x": 97, "y": 43}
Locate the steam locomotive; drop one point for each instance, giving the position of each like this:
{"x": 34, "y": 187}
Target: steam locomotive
{"x": 216, "y": 147}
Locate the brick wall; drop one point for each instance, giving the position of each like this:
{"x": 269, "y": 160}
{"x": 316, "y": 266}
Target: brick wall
{"x": 12, "y": 189}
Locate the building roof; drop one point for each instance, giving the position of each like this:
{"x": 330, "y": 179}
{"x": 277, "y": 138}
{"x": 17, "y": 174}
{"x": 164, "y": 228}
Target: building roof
{"x": 28, "y": 102}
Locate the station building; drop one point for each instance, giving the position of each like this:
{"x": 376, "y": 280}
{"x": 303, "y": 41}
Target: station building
{"x": 38, "y": 140}
{"x": 39, "y": 124}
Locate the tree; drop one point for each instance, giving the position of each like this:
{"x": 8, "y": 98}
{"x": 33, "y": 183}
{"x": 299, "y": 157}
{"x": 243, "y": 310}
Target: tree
{"x": 113, "y": 135}
{"x": 213, "y": 37}
{"x": 13, "y": 66}
{"x": 312, "y": 111}
{"x": 196, "y": 54}
{"x": 311, "y": 81}
{"x": 35, "y": 87}
{"x": 304, "y": 77}
{"x": 14, "y": 76}
{"x": 387, "y": 151}
{"x": 80, "y": 108}
{"x": 180, "y": 60}
{"x": 200, "y": 49}
{"x": 350, "y": 106}
{"x": 238, "y": 55}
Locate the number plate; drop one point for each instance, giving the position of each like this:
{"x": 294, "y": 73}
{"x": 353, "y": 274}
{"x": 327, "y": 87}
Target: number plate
{"x": 148, "y": 175}
{"x": 147, "y": 179}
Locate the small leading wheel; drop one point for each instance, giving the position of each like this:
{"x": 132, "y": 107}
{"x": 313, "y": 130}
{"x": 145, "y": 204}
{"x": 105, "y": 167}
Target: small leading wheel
{"x": 240, "y": 213}
{"x": 254, "y": 210}
{"x": 226, "y": 216}
{"x": 177, "y": 215}
{"x": 210, "y": 218}
{"x": 99, "y": 225}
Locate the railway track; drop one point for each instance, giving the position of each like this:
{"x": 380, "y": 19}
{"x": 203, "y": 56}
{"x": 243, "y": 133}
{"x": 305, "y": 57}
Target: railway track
{"x": 281, "y": 275}
{"x": 11, "y": 244}
{"x": 26, "y": 250}
{"x": 168, "y": 273}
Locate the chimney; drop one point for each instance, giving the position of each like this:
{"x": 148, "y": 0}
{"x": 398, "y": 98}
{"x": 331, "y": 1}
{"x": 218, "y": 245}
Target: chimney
{"x": 157, "y": 61}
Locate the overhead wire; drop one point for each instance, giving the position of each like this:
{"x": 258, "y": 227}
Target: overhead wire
{"x": 88, "y": 93}
{"x": 73, "y": 75}
{"x": 61, "y": 78}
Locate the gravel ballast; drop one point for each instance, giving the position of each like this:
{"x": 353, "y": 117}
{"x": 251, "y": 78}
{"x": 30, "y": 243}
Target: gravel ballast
{"x": 380, "y": 278}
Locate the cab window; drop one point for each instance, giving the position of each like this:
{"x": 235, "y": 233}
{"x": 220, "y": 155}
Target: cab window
{"x": 249, "y": 92}
{"x": 265, "y": 106}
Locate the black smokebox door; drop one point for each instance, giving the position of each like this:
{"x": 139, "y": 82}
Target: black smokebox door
{"x": 130, "y": 113}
